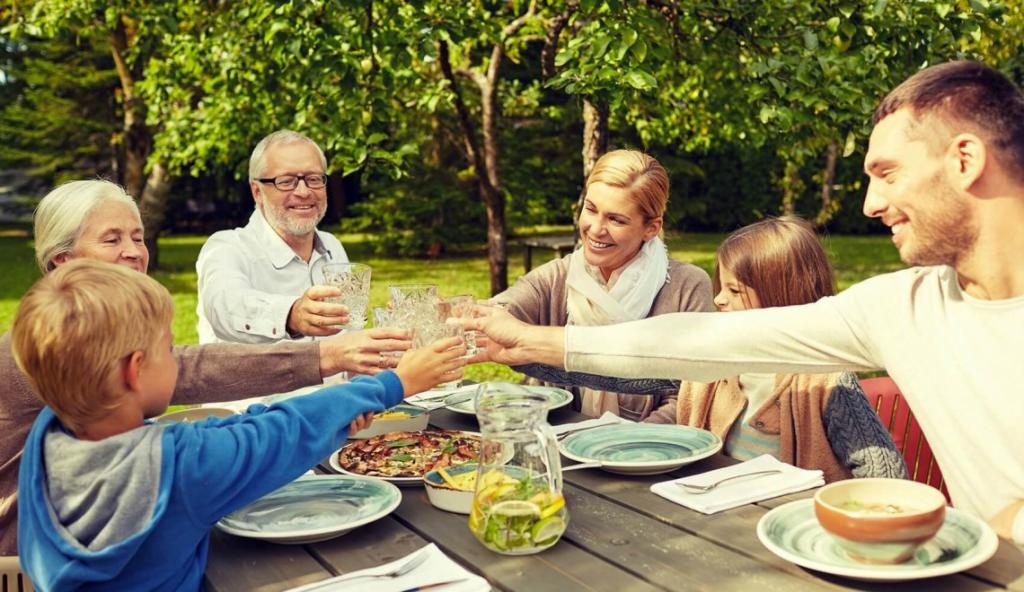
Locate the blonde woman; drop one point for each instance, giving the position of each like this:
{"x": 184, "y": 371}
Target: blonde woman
{"x": 620, "y": 272}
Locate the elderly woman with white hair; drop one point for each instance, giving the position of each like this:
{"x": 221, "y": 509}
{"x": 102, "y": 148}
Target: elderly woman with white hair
{"x": 98, "y": 220}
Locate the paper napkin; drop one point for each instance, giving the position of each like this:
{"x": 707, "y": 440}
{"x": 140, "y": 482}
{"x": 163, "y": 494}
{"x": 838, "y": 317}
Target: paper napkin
{"x": 436, "y": 569}
{"x": 434, "y": 398}
{"x": 608, "y": 418}
{"x": 740, "y": 491}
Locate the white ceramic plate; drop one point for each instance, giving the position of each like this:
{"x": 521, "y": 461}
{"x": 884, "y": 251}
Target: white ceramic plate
{"x": 640, "y": 448}
{"x": 313, "y": 508}
{"x": 465, "y": 402}
{"x": 792, "y": 532}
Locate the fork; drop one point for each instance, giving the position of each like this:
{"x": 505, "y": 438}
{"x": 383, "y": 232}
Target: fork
{"x": 563, "y": 435}
{"x": 397, "y": 572}
{"x": 707, "y": 488}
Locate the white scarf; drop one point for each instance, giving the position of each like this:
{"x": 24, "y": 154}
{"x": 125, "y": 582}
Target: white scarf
{"x": 629, "y": 299}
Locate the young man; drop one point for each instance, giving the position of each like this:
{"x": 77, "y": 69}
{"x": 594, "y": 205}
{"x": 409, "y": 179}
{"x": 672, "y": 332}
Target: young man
{"x": 257, "y": 283}
{"x": 111, "y": 501}
{"x": 946, "y": 174}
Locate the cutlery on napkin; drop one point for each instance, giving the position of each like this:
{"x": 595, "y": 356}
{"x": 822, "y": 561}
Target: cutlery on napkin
{"x": 439, "y": 572}
{"x": 433, "y": 399}
{"x": 740, "y": 492}
{"x": 608, "y": 418}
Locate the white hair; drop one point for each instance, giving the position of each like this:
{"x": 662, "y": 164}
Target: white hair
{"x": 60, "y": 215}
{"x": 258, "y": 160}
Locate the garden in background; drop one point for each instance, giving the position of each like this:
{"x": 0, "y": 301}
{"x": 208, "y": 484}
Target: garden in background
{"x": 854, "y": 257}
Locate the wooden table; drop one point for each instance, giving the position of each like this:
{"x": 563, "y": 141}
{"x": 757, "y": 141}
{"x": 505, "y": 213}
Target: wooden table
{"x": 559, "y": 244}
{"x": 621, "y": 537}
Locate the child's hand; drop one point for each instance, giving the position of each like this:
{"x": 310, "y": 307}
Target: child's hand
{"x": 441, "y": 361}
{"x": 360, "y": 423}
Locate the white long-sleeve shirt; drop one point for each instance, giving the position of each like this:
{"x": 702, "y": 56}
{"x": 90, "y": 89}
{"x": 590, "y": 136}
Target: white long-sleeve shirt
{"x": 248, "y": 279}
{"x": 958, "y": 360}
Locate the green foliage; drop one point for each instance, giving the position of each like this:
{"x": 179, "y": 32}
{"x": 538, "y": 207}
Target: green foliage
{"x": 739, "y": 99}
{"x": 58, "y": 108}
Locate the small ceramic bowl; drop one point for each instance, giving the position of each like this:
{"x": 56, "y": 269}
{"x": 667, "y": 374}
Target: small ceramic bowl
{"x": 444, "y": 496}
{"x": 881, "y": 521}
{"x": 416, "y": 421}
{"x": 194, "y": 414}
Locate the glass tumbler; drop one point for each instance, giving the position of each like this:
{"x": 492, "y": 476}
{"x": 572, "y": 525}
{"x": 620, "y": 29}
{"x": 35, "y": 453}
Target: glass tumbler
{"x": 353, "y": 279}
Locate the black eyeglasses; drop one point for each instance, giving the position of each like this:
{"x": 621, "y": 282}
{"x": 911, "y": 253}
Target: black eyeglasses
{"x": 289, "y": 182}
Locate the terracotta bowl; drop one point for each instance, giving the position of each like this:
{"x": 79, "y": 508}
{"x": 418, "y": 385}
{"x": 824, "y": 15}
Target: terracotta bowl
{"x": 444, "y": 496}
{"x": 194, "y": 414}
{"x": 880, "y": 521}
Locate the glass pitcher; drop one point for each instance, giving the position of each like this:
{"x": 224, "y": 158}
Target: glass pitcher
{"x": 518, "y": 506}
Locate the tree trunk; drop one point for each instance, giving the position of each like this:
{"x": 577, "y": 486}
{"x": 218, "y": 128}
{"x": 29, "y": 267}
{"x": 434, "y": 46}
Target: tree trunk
{"x": 791, "y": 187}
{"x": 153, "y": 207}
{"x": 595, "y": 143}
{"x": 135, "y": 138}
{"x": 829, "y": 206}
{"x": 150, "y": 191}
{"x": 485, "y": 161}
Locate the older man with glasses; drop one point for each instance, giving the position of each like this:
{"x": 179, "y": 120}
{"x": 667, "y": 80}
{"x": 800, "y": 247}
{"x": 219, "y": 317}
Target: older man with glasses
{"x": 257, "y": 283}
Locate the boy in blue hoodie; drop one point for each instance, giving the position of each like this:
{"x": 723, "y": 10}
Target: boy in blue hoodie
{"x": 109, "y": 501}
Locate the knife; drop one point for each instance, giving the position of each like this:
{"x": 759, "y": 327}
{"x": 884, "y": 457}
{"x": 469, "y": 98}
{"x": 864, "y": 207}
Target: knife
{"x": 437, "y": 585}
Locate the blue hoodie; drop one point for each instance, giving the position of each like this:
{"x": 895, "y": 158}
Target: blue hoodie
{"x": 134, "y": 511}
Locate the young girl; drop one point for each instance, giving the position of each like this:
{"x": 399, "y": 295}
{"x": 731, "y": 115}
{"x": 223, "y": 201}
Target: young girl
{"x": 816, "y": 421}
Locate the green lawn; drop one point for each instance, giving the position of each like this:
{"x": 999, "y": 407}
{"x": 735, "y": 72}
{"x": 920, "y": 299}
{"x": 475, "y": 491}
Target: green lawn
{"x": 855, "y": 258}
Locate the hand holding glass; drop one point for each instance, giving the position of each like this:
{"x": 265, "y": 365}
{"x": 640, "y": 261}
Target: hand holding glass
{"x": 353, "y": 279}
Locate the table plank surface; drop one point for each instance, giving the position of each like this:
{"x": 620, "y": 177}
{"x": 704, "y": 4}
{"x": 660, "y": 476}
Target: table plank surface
{"x": 621, "y": 537}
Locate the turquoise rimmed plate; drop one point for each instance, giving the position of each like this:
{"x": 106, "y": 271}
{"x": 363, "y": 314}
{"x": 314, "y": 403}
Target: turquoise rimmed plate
{"x": 792, "y": 532}
{"x": 313, "y": 508}
{"x": 465, "y": 402}
{"x": 640, "y": 449}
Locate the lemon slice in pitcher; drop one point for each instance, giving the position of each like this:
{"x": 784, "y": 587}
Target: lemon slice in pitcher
{"x": 547, "y": 530}
{"x": 515, "y": 509}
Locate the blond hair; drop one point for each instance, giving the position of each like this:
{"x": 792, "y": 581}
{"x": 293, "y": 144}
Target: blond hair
{"x": 60, "y": 215}
{"x": 637, "y": 173}
{"x": 780, "y": 259}
{"x": 74, "y": 327}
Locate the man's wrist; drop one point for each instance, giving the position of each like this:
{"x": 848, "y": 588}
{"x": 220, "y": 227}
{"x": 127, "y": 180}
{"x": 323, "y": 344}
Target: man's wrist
{"x": 292, "y": 332}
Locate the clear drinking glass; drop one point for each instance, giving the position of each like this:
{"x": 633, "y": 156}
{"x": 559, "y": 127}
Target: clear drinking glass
{"x": 518, "y": 506}
{"x": 461, "y": 307}
{"x": 417, "y": 295}
{"x": 354, "y": 281}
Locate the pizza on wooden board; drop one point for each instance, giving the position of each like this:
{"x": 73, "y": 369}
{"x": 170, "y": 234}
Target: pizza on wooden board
{"x": 408, "y": 454}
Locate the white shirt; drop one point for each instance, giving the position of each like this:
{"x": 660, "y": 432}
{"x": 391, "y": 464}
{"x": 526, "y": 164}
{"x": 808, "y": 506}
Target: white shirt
{"x": 957, "y": 360}
{"x": 248, "y": 279}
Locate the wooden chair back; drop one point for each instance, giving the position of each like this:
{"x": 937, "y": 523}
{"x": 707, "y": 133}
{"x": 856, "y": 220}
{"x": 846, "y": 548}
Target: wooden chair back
{"x": 885, "y": 397}
{"x": 11, "y": 577}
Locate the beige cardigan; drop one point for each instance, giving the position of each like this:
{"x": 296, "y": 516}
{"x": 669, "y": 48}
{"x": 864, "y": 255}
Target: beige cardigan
{"x": 793, "y": 413}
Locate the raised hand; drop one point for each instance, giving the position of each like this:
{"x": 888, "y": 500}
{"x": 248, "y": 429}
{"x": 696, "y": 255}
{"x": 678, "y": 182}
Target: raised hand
{"x": 363, "y": 352}
{"x": 507, "y": 340}
{"x": 311, "y": 315}
{"x": 423, "y": 368}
